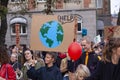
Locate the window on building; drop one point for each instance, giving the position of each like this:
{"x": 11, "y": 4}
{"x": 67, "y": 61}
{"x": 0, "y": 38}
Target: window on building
{"x": 14, "y": 1}
{"x": 100, "y": 32}
{"x": 22, "y": 29}
{"x": 79, "y": 25}
{"x": 72, "y": 1}
{"x": 99, "y": 3}
{"x": 41, "y": 0}
{"x": 59, "y": 4}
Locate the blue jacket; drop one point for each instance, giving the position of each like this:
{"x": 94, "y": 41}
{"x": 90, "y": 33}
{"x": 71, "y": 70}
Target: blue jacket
{"x": 45, "y": 73}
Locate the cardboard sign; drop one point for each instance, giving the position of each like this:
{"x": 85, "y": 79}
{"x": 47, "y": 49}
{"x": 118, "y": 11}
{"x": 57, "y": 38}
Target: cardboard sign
{"x": 52, "y": 32}
{"x": 117, "y": 32}
{"x": 112, "y": 31}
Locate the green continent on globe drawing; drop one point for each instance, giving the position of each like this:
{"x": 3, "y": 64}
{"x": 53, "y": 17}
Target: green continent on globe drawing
{"x": 59, "y": 36}
{"x": 44, "y": 30}
{"x": 49, "y": 41}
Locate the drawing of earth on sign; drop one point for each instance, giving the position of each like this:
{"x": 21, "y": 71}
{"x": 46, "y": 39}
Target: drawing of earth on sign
{"x": 51, "y": 34}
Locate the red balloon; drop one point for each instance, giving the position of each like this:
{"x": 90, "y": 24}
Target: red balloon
{"x": 74, "y": 51}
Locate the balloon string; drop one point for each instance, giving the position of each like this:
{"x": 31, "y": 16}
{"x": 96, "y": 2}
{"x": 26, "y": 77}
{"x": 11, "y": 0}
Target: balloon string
{"x": 74, "y": 40}
{"x": 74, "y": 67}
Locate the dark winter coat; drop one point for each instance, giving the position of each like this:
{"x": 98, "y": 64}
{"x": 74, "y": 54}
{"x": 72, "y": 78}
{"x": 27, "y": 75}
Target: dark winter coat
{"x": 106, "y": 71}
{"x": 45, "y": 73}
{"x": 92, "y": 62}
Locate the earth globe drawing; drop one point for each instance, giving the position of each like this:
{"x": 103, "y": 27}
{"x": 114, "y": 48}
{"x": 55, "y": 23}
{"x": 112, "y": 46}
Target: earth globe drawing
{"x": 51, "y": 34}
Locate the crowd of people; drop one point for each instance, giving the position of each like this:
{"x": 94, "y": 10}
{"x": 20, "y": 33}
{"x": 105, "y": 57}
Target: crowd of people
{"x": 99, "y": 61}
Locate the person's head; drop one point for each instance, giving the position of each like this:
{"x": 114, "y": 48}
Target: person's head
{"x": 4, "y": 57}
{"x": 98, "y": 48}
{"x": 14, "y": 50}
{"x": 50, "y": 57}
{"x": 28, "y": 54}
{"x": 13, "y": 57}
{"x": 62, "y": 55}
{"x": 86, "y": 43}
{"x": 82, "y": 72}
{"x": 112, "y": 47}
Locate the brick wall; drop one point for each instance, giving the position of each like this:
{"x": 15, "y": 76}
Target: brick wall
{"x": 86, "y": 3}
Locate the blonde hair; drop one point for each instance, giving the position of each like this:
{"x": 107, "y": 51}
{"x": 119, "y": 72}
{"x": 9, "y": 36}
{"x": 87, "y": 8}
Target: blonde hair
{"x": 82, "y": 70}
{"x": 14, "y": 55}
{"x": 87, "y": 38}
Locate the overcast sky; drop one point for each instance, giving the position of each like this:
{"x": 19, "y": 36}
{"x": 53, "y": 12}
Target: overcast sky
{"x": 115, "y": 5}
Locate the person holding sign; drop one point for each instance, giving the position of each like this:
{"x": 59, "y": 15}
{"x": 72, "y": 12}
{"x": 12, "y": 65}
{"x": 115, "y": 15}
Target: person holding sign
{"x": 88, "y": 57}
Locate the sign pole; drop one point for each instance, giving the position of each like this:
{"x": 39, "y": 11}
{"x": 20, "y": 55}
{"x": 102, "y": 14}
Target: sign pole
{"x": 75, "y": 29}
{"x": 17, "y": 29}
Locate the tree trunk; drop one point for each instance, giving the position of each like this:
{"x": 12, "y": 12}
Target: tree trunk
{"x": 49, "y": 4}
{"x": 118, "y": 20}
{"x": 3, "y": 28}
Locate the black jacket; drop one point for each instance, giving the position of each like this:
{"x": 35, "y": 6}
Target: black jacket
{"x": 16, "y": 65}
{"x": 45, "y": 73}
{"x": 92, "y": 62}
{"x": 106, "y": 71}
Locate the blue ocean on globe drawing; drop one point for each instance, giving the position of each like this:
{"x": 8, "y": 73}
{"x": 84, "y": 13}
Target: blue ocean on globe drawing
{"x": 51, "y": 34}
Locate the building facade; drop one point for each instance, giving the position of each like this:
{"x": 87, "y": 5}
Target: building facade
{"x": 103, "y": 16}
{"x": 18, "y": 15}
